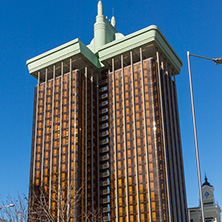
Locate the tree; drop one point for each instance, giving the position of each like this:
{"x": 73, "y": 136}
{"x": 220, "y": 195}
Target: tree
{"x": 40, "y": 211}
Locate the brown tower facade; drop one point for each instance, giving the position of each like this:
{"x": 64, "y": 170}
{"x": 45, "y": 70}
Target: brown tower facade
{"x": 147, "y": 181}
{"x": 106, "y": 138}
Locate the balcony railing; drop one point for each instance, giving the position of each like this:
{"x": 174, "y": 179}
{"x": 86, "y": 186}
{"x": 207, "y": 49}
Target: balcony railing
{"x": 105, "y": 149}
{"x": 105, "y": 141}
{"x": 106, "y": 200}
{"x": 104, "y": 118}
{"x": 105, "y": 166}
{"x": 106, "y": 218}
{"x": 104, "y": 125}
{"x": 103, "y": 96}
{"x": 103, "y": 89}
{"x": 103, "y": 81}
{"x": 104, "y": 103}
{"x": 106, "y": 182}
{"x": 105, "y": 133}
{"x": 105, "y": 157}
{"x": 105, "y": 192}
{"x": 104, "y": 111}
{"x": 105, "y": 174}
{"x": 106, "y": 209}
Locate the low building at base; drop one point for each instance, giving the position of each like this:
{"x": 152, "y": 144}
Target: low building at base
{"x": 211, "y": 209}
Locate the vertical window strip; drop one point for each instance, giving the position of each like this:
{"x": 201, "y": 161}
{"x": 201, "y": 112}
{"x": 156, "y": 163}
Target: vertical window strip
{"x": 35, "y": 136}
{"x": 92, "y": 145}
{"x": 170, "y": 181}
{"x": 114, "y": 110}
{"x": 148, "y": 95}
{"x": 98, "y": 156}
{"x": 43, "y": 137}
{"x": 162, "y": 153}
{"x": 86, "y": 113}
{"x": 120, "y": 146}
{"x": 69, "y": 80}
{"x": 124, "y": 132}
{"x": 75, "y": 140}
{"x": 180, "y": 147}
{"x": 181, "y": 203}
{"x": 52, "y": 137}
{"x": 56, "y": 143}
{"x": 135, "y": 135}
{"x": 174, "y": 166}
{"x": 60, "y": 146}
{"x": 111, "y": 146}
{"x": 49, "y": 118}
{"x": 159, "y": 160}
{"x": 145, "y": 135}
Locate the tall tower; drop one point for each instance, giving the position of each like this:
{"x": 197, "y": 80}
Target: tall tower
{"x": 106, "y": 128}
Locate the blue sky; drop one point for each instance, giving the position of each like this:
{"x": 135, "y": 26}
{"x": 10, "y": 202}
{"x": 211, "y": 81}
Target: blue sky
{"x": 29, "y": 28}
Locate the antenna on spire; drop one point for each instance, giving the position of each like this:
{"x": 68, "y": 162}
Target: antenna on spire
{"x": 100, "y": 8}
{"x": 205, "y": 177}
{"x": 112, "y": 11}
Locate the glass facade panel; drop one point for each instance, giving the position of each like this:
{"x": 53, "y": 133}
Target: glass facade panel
{"x": 60, "y": 161}
{"x": 152, "y": 180}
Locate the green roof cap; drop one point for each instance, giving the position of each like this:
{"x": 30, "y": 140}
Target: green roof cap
{"x": 107, "y": 44}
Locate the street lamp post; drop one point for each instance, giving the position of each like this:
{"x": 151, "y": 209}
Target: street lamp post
{"x": 7, "y": 206}
{"x": 217, "y": 61}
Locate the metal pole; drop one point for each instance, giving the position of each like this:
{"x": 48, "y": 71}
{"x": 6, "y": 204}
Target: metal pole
{"x": 217, "y": 60}
{"x": 195, "y": 137}
{"x": 202, "y": 57}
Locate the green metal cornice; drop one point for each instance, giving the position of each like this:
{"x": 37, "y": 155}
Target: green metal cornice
{"x": 146, "y": 36}
{"x": 67, "y": 50}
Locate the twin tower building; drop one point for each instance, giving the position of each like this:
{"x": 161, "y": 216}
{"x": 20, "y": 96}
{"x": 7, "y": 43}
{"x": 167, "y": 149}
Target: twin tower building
{"x": 106, "y": 135}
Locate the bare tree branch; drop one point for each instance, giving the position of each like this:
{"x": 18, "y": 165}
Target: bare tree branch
{"x": 38, "y": 208}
